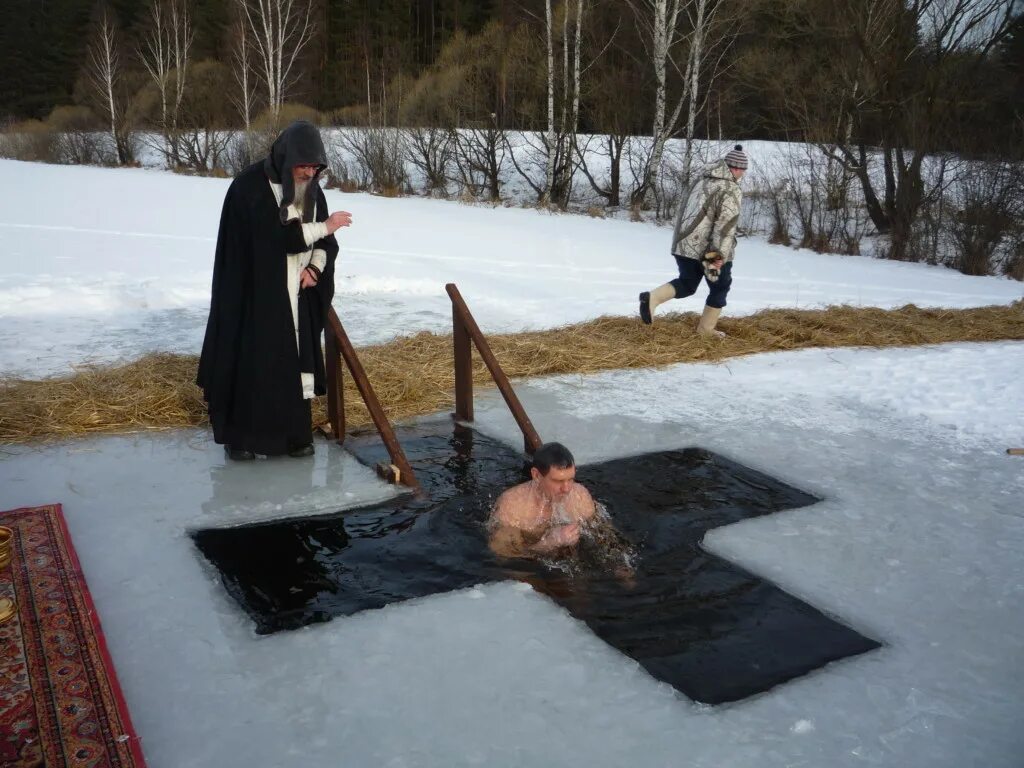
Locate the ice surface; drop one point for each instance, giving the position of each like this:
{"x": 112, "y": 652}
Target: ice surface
{"x": 969, "y": 393}
{"x": 917, "y": 543}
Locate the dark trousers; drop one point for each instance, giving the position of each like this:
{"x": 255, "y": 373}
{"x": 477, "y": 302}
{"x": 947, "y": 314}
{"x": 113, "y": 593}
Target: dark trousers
{"x": 690, "y": 273}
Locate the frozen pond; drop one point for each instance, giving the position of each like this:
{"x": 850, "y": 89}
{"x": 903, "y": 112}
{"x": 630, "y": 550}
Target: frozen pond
{"x": 917, "y": 544}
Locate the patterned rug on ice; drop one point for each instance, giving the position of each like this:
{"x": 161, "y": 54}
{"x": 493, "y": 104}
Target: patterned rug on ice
{"x": 60, "y": 703}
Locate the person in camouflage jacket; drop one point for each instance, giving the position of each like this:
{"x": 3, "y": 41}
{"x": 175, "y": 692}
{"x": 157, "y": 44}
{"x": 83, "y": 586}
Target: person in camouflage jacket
{"x": 704, "y": 241}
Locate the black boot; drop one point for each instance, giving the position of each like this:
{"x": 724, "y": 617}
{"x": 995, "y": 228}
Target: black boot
{"x": 239, "y": 454}
{"x": 305, "y": 450}
{"x": 645, "y": 307}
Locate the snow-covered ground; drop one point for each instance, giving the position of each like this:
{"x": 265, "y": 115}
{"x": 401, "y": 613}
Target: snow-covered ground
{"x": 917, "y": 541}
{"x": 102, "y": 264}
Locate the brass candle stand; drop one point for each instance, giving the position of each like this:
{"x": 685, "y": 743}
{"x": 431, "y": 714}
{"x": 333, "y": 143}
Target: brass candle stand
{"x": 7, "y": 607}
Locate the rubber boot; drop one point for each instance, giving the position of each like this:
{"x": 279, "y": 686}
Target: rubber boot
{"x": 649, "y": 301}
{"x": 708, "y": 321}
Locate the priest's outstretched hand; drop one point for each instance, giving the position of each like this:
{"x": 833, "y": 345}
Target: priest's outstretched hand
{"x": 337, "y": 220}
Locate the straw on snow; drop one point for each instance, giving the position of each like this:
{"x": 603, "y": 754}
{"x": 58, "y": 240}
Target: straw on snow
{"x": 414, "y": 376}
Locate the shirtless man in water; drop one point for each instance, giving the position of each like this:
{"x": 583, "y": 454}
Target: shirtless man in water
{"x": 542, "y": 516}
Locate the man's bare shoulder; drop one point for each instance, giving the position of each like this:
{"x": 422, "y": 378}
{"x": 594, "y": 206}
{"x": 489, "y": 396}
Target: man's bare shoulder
{"x": 582, "y": 502}
{"x": 509, "y": 505}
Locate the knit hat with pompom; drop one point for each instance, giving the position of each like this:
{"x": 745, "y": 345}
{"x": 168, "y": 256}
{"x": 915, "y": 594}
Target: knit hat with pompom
{"x": 736, "y": 158}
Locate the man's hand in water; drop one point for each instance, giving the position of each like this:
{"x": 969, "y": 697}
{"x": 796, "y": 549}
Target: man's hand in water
{"x": 556, "y": 538}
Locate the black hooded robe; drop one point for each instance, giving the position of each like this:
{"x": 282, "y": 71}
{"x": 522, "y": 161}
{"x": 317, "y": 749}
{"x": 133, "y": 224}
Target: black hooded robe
{"x": 250, "y": 365}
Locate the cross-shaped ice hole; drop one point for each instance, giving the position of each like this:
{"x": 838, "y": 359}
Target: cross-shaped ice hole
{"x": 711, "y": 629}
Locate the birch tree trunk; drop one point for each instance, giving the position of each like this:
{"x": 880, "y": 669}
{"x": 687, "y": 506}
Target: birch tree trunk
{"x": 104, "y": 72}
{"x": 241, "y": 59}
{"x": 692, "y": 87}
{"x": 165, "y": 51}
{"x": 183, "y": 34}
{"x": 664, "y": 17}
{"x": 708, "y": 40}
{"x": 549, "y": 171}
{"x": 570, "y": 103}
{"x": 156, "y": 59}
{"x": 280, "y": 29}
{"x": 574, "y": 125}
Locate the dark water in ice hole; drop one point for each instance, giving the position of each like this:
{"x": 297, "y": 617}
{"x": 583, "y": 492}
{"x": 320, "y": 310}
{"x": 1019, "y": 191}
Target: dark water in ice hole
{"x": 709, "y": 628}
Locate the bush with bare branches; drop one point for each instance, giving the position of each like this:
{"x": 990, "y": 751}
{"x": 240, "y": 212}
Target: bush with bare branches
{"x": 244, "y": 149}
{"x": 380, "y": 155}
{"x": 341, "y": 172}
{"x": 767, "y": 206}
{"x": 203, "y": 118}
{"x": 479, "y": 159}
{"x": 986, "y": 227}
{"x": 31, "y": 140}
{"x": 429, "y": 151}
{"x": 814, "y": 200}
{"x": 69, "y": 136}
{"x": 77, "y": 137}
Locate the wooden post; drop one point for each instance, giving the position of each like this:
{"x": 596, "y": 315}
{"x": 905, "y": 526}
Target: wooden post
{"x": 531, "y": 439}
{"x": 335, "y": 387}
{"x": 380, "y": 420}
{"x": 463, "y": 368}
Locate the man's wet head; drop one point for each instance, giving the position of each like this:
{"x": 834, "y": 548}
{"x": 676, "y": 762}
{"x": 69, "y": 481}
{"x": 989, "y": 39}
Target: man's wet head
{"x": 553, "y": 470}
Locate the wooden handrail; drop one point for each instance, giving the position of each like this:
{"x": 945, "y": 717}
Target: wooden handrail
{"x": 335, "y": 385}
{"x": 338, "y": 342}
{"x": 464, "y": 329}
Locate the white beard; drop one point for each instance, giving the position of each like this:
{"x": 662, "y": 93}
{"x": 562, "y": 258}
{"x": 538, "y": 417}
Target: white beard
{"x": 300, "y": 195}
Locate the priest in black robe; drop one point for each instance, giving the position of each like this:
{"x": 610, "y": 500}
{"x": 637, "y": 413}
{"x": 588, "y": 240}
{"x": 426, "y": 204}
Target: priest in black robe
{"x": 273, "y": 282}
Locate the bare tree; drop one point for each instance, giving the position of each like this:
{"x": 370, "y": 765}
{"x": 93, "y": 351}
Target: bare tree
{"x": 612, "y": 99}
{"x": 243, "y": 94}
{"x": 555, "y": 145}
{"x": 203, "y": 133}
{"x": 75, "y": 137}
{"x": 429, "y": 150}
{"x": 706, "y": 38}
{"x": 987, "y": 226}
{"x": 244, "y": 97}
{"x": 660, "y": 19}
{"x": 103, "y": 70}
{"x": 379, "y": 151}
{"x": 905, "y": 73}
{"x": 165, "y": 55}
{"x": 280, "y": 30}
{"x": 427, "y": 112}
{"x": 549, "y": 174}
{"x": 611, "y": 146}
{"x": 486, "y": 71}
{"x": 570, "y": 98}
{"x": 479, "y": 152}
